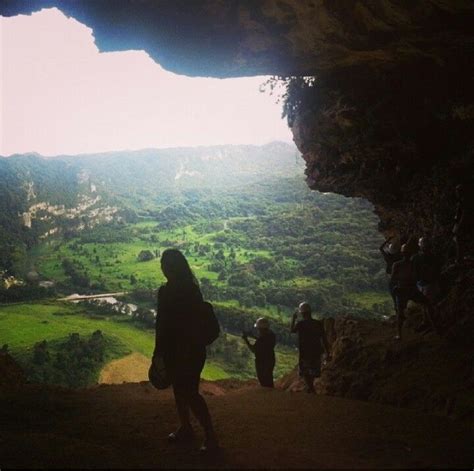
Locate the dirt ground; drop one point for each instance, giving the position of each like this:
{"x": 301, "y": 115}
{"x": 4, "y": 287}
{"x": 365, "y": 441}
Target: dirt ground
{"x": 125, "y": 426}
{"x": 129, "y": 369}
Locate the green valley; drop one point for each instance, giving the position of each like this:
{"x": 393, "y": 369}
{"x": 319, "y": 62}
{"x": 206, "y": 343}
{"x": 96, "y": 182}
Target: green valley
{"x": 258, "y": 240}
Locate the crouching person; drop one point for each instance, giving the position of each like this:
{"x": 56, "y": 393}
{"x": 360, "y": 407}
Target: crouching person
{"x": 264, "y": 350}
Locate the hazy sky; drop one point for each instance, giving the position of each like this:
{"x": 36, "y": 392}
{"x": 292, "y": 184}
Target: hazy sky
{"x": 60, "y": 95}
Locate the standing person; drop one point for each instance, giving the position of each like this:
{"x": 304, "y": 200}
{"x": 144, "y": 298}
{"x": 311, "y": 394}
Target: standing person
{"x": 404, "y": 282}
{"x": 264, "y": 350}
{"x": 178, "y": 300}
{"x": 390, "y": 250}
{"x": 311, "y": 340}
{"x": 427, "y": 271}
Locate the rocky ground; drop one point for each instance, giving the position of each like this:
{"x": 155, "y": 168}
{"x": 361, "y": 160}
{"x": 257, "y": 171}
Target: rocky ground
{"x": 423, "y": 372}
{"x": 125, "y": 426}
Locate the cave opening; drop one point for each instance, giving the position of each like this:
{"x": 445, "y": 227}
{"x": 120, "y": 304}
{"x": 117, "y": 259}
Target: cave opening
{"x": 379, "y": 99}
{"x": 61, "y": 95}
{"x": 209, "y": 168}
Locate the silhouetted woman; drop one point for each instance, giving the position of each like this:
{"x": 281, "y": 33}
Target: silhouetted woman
{"x": 178, "y": 299}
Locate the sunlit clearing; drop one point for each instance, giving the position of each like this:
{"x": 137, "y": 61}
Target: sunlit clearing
{"x": 59, "y": 94}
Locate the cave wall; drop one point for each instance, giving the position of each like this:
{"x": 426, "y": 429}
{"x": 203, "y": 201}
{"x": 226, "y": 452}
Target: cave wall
{"x": 402, "y": 138}
{"x": 391, "y": 116}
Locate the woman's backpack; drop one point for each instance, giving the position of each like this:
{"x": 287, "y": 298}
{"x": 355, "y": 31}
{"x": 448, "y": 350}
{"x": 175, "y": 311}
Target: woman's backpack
{"x": 204, "y": 328}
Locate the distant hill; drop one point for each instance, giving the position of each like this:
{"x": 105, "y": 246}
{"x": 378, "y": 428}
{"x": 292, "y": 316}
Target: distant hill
{"x": 25, "y": 181}
{"x": 156, "y": 170}
{"x": 39, "y": 195}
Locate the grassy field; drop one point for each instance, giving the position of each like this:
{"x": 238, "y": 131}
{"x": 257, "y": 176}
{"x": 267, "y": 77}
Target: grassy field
{"x": 114, "y": 266}
{"x": 22, "y": 325}
{"x": 268, "y": 311}
{"x": 114, "y": 263}
{"x": 369, "y": 298}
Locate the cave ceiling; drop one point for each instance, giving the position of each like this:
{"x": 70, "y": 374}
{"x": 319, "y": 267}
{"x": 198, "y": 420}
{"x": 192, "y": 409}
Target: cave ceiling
{"x": 224, "y": 38}
{"x": 391, "y": 117}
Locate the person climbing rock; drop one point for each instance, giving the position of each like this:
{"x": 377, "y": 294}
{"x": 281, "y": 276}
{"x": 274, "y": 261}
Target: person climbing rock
{"x": 390, "y": 250}
{"x": 404, "y": 283}
{"x": 264, "y": 350}
{"x": 311, "y": 340}
{"x": 427, "y": 271}
{"x": 184, "y": 360}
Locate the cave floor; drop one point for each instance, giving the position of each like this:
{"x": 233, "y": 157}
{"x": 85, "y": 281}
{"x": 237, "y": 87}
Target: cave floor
{"x": 125, "y": 426}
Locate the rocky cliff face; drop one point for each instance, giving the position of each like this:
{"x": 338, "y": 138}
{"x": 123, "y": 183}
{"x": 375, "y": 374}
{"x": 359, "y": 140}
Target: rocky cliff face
{"x": 401, "y": 138}
{"x": 423, "y": 372}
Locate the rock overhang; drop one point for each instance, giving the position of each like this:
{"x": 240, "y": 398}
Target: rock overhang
{"x": 398, "y": 74}
{"x": 229, "y": 38}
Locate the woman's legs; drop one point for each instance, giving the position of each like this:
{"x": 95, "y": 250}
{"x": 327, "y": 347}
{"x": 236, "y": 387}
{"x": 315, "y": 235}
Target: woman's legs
{"x": 182, "y": 406}
{"x": 201, "y": 412}
{"x": 186, "y": 392}
{"x": 187, "y": 397}
{"x": 199, "y": 407}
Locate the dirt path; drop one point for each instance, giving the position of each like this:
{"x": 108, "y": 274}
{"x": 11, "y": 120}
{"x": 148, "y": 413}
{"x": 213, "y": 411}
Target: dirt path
{"x": 130, "y": 369}
{"x": 125, "y": 426}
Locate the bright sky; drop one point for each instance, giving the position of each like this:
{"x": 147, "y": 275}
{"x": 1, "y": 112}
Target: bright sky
{"x": 59, "y": 95}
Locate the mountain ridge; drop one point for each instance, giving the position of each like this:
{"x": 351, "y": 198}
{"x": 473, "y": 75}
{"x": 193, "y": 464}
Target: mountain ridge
{"x": 41, "y": 194}
{"x": 145, "y": 149}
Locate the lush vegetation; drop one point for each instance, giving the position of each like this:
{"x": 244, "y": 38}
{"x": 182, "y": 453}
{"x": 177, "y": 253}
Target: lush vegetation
{"x": 268, "y": 245}
{"x": 66, "y": 344}
{"x": 258, "y": 240}
{"x": 73, "y": 362}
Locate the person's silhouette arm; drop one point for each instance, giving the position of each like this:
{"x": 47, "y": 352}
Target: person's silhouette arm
{"x": 251, "y": 347}
{"x": 293, "y": 328}
{"x": 384, "y": 244}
